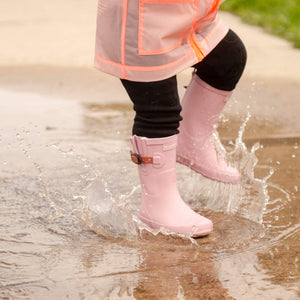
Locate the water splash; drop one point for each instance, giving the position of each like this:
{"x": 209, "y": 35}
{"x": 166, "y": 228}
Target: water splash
{"x": 107, "y": 198}
{"x": 107, "y": 214}
{"x": 112, "y": 214}
{"x": 111, "y": 205}
{"x": 246, "y": 199}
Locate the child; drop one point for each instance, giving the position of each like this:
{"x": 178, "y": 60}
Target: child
{"x": 146, "y": 43}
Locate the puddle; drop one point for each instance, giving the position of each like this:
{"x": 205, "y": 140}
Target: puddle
{"x": 70, "y": 195}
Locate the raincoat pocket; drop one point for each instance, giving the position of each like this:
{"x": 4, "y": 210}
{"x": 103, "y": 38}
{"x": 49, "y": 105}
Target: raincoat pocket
{"x": 163, "y": 24}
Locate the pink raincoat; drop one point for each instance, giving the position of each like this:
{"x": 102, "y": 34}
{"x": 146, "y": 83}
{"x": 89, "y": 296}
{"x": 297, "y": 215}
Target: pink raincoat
{"x": 150, "y": 40}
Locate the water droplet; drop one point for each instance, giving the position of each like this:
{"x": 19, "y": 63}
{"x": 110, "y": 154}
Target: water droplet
{"x": 262, "y": 235}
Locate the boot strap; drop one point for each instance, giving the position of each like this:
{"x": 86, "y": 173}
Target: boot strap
{"x": 137, "y": 159}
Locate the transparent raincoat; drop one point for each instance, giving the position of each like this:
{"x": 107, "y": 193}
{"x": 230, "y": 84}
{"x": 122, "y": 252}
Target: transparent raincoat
{"x": 150, "y": 40}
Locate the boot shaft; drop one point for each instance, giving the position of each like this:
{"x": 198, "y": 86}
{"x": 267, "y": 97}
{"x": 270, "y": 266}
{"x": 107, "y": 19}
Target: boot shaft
{"x": 160, "y": 151}
{"x": 198, "y": 147}
{"x": 162, "y": 205}
{"x": 202, "y": 105}
{"x": 157, "y": 171}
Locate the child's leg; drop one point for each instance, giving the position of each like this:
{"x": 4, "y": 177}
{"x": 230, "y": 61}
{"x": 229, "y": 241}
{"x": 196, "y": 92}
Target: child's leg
{"x": 224, "y": 66}
{"x": 203, "y": 102}
{"x": 157, "y": 107}
{"x": 154, "y": 143}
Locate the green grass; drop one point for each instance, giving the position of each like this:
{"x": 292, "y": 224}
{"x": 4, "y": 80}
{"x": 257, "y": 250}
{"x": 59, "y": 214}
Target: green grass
{"x": 280, "y": 17}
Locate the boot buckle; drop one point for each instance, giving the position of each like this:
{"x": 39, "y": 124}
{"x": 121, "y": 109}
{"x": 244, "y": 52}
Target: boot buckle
{"x": 137, "y": 159}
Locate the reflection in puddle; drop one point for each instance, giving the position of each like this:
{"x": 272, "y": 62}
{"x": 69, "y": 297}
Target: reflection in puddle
{"x": 61, "y": 178}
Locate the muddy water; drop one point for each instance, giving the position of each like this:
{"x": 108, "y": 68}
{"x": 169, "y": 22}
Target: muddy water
{"x": 69, "y": 198}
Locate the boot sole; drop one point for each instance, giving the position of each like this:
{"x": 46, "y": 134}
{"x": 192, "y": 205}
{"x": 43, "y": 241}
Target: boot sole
{"x": 198, "y": 169}
{"x": 156, "y": 226}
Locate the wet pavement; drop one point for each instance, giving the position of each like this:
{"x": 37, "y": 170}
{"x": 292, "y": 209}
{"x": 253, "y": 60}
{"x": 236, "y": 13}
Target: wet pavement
{"x": 69, "y": 198}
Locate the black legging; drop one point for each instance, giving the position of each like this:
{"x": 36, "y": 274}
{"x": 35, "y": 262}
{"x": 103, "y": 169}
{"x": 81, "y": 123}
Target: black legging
{"x": 157, "y": 103}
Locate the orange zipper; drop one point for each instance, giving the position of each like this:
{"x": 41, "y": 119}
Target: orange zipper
{"x": 195, "y": 47}
{"x": 194, "y": 44}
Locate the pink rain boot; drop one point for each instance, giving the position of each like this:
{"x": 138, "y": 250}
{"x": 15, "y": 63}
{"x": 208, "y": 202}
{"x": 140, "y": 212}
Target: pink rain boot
{"x": 162, "y": 205}
{"x": 201, "y": 107}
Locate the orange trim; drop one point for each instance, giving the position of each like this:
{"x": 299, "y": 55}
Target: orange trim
{"x": 144, "y": 68}
{"x": 193, "y": 42}
{"x": 214, "y": 7}
{"x": 162, "y": 51}
{"x": 196, "y": 48}
{"x": 141, "y": 27}
{"x": 123, "y": 37}
{"x": 196, "y": 4}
